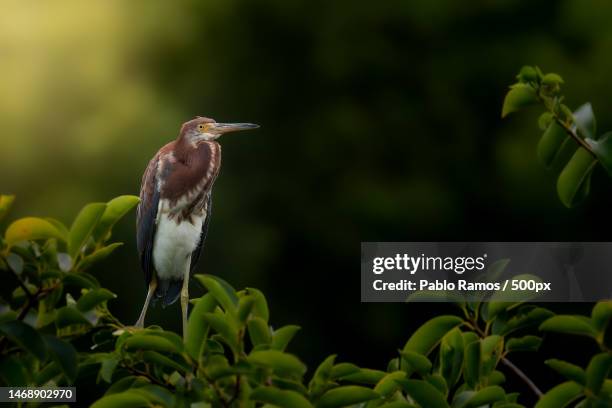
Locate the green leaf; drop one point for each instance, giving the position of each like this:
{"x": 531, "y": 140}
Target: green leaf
{"x": 471, "y": 369}
{"x": 387, "y": 385}
{"x": 107, "y": 368}
{"x": 346, "y": 395}
{"x": 126, "y": 399}
{"x": 150, "y": 342}
{"x": 97, "y": 256}
{"x": 281, "y": 337}
{"x": 560, "y": 396}
{"x": 519, "y": 96}
{"x": 13, "y": 372}
{"x": 63, "y": 230}
{"x": 423, "y": 393}
{"x": 526, "y": 316}
{"x": 15, "y": 262}
{"x": 30, "y": 229}
{"x": 578, "y": 325}
{"x": 484, "y": 397}
{"x": 491, "y": 350}
{"x": 260, "y": 308}
{"x": 68, "y": 316}
{"x": 93, "y": 298}
{"x": 278, "y": 361}
{"x": 552, "y": 79}
{"x": 64, "y": 354}
{"x": 568, "y": 370}
{"x": 259, "y": 332}
{"x": 5, "y": 204}
{"x": 323, "y": 372}
{"x": 451, "y": 356}
{"x": 601, "y": 314}
{"x": 439, "y": 382}
{"x": 25, "y": 337}
{"x": 225, "y": 296}
{"x": 80, "y": 280}
{"x": 342, "y": 370}
{"x": 527, "y": 74}
{"x": 198, "y": 327}
{"x": 553, "y": 144}
{"x": 597, "y": 371}
{"x": 602, "y": 147}
{"x": 415, "y": 362}
{"x": 116, "y": 209}
{"x": 245, "y": 306}
{"x": 527, "y": 343}
{"x": 397, "y": 404}
{"x": 573, "y": 184}
{"x": 159, "y": 359}
{"x": 426, "y": 337}
{"x": 361, "y": 376}
{"x": 83, "y": 226}
{"x": 585, "y": 122}
{"x": 279, "y": 398}
{"x": 226, "y": 329}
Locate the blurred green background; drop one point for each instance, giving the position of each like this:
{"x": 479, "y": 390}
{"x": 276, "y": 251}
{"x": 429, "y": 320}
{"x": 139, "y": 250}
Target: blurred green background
{"x": 379, "y": 121}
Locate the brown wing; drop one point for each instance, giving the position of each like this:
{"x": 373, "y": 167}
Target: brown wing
{"x": 146, "y": 219}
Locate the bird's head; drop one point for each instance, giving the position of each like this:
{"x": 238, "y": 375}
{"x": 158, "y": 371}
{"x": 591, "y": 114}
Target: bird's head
{"x": 206, "y": 129}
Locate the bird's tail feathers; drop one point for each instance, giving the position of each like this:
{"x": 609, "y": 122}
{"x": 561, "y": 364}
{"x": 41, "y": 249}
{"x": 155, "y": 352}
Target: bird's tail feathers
{"x": 168, "y": 291}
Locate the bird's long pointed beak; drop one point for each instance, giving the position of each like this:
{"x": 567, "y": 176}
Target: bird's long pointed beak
{"x": 221, "y": 128}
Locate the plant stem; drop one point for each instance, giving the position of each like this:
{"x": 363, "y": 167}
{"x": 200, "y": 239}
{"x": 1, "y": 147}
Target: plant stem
{"x": 522, "y": 376}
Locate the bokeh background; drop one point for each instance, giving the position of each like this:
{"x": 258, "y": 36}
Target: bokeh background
{"x": 379, "y": 121}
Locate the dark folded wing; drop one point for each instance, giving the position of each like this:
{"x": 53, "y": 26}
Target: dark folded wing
{"x": 146, "y": 220}
{"x": 195, "y": 255}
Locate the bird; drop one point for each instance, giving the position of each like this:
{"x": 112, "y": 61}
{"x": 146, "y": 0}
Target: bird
{"x": 175, "y": 210}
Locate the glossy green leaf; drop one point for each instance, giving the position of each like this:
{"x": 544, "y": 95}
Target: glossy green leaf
{"x": 362, "y": 375}
{"x": 341, "y": 370}
{"x": 150, "y": 342}
{"x": 560, "y": 396}
{"x": 568, "y": 370}
{"x": 172, "y": 337}
{"x": 25, "y": 337}
{"x": 30, "y": 229}
{"x": 451, "y": 356}
{"x": 13, "y": 372}
{"x": 387, "y": 385}
{"x": 222, "y": 294}
{"x": 491, "y": 349}
{"x": 519, "y": 96}
{"x": 279, "y": 398}
{"x": 601, "y": 315}
{"x": 197, "y": 326}
{"x": 158, "y": 359}
{"x": 68, "y": 316}
{"x": 471, "y": 369}
{"x": 597, "y": 371}
{"x": 126, "y": 399}
{"x": 83, "y": 226}
{"x": 483, "y": 397}
{"x": 260, "y": 308}
{"x": 346, "y": 395}
{"x": 427, "y": 337}
{"x": 323, "y": 372}
{"x": 423, "y": 393}
{"x": 579, "y": 325}
{"x": 115, "y": 209}
{"x": 107, "y": 368}
{"x": 278, "y": 361}
{"x": 81, "y": 280}
{"x": 585, "y": 122}
{"x": 525, "y": 317}
{"x": 64, "y": 354}
{"x": 245, "y": 306}
{"x": 97, "y": 256}
{"x": 415, "y": 362}
{"x": 397, "y": 404}
{"x": 259, "y": 332}
{"x": 93, "y": 298}
{"x": 63, "y": 230}
{"x": 281, "y": 337}
{"x": 5, "y": 204}
{"x": 222, "y": 325}
{"x": 552, "y": 144}
{"x": 439, "y": 382}
{"x": 602, "y": 147}
{"x": 574, "y": 182}
{"x": 526, "y": 343}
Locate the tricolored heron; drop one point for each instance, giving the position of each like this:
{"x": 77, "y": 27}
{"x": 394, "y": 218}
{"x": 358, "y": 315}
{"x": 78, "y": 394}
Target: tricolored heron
{"x": 175, "y": 209}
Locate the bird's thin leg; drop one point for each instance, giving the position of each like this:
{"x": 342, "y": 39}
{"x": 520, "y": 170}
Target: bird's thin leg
{"x": 185, "y": 297}
{"x": 150, "y": 292}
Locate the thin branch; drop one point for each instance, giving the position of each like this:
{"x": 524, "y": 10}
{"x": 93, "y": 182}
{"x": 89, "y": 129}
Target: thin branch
{"x": 522, "y": 376}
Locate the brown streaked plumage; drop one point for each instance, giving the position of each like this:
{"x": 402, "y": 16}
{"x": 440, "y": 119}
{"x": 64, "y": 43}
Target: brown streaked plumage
{"x": 175, "y": 209}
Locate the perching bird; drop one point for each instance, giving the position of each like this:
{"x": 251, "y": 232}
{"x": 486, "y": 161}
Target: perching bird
{"x": 175, "y": 209}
